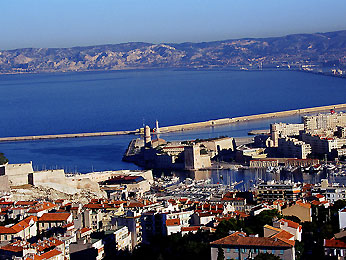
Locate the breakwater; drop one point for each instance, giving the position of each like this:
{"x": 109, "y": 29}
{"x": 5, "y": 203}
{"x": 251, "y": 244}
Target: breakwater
{"x": 41, "y": 137}
{"x": 184, "y": 127}
{"x": 226, "y": 121}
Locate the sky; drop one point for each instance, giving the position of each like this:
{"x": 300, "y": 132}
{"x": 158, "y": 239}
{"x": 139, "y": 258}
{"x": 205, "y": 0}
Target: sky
{"x": 68, "y": 23}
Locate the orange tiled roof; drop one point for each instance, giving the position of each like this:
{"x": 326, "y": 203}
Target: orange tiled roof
{"x": 86, "y": 229}
{"x": 25, "y": 203}
{"x": 285, "y": 237}
{"x": 334, "y": 243}
{"x": 173, "y": 222}
{"x": 50, "y": 254}
{"x": 41, "y": 207}
{"x": 54, "y": 217}
{"x": 46, "y": 244}
{"x": 21, "y": 225}
{"x": 188, "y": 229}
{"x": 290, "y": 223}
{"x": 12, "y": 248}
{"x": 252, "y": 241}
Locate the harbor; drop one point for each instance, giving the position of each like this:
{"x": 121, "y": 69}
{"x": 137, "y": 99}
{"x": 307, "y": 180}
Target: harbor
{"x": 185, "y": 127}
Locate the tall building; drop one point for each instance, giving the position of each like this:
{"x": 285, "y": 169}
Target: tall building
{"x": 324, "y": 121}
{"x": 292, "y": 148}
{"x": 272, "y": 190}
{"x": 196, "y": 158}
{"x": 147, "y": 137}
{"x": 280, "y": 130}
{"x": 322, "y": 145}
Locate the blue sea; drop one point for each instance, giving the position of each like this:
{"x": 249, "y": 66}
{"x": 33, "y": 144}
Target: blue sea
{"x": 35, "y": 104}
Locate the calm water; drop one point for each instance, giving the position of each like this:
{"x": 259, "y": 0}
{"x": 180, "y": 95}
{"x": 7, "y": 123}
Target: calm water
{"x": 91, "y": 102}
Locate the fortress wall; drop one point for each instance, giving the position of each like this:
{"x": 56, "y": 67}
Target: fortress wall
{"x": 50, "y": 176}
{"x": 18, "y": 169}
{"x": 84, "y": 184}
{"x": 18, "y": 173}
{"x": 4, "y": 183}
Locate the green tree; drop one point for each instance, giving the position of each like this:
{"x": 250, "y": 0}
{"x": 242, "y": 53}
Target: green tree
{"x": 3, "y": 159}
{"x": 293, "y": 218}
{"x": 266, "y": 256}
{"x": 220, "y": 253}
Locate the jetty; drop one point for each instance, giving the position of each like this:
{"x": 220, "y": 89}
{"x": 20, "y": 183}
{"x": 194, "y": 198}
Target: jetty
{"x": 184, "y": 127}
{"x": 42, "y": 137}
{"x": 227, "y": 121}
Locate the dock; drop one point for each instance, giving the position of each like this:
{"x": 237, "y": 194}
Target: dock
{"x": 184, "y": 127}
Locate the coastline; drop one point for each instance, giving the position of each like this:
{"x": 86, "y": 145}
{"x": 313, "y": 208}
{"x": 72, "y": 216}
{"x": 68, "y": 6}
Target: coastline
{"x": 188, "y": 126}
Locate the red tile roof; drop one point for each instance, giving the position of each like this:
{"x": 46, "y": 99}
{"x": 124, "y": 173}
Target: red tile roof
{"x": 12, "y": 248}
{"x": 17, "y": 227}
{"x": 290, "y": 223}
{"x": 86, "y": 229}
{"x": 54, "y": 217}
{"x": 251, "y": 241}
{"x": 305, "y": 205}
{"x": 189, "y": 229}
{"x": 46, "y": 244}
{"x": 173, "y": 222}
{"x": 42, "y": 206}
{"x": 50, "y": 254}
{"x": 334, "y": 243}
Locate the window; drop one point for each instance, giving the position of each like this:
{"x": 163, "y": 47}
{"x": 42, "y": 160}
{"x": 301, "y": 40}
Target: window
{"x": 264, "y": 250}
{"x": 281, "y": 252}
{"x": 273, "y": 252}
{"x": 236, "y": 250}
{"x": 228, "y": 250}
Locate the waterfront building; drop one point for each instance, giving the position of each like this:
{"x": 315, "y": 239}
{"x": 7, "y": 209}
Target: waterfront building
{"x": 281, "y": 130}
{"x": 245, "y": 154}
{"x": 324, "y": 121}
{"x": 291, "y": 147}
{"x": 321, "y": 145}
{"x": 264, "y": 163}
{"x": 287, "y": 162}
{"x": 147, "y": 137}
{"x": 272, "y": 190}
{"x": 196, "y": 158}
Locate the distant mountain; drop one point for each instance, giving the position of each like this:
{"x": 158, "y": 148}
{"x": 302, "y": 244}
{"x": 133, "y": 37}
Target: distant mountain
{"x": 298, "y": 50}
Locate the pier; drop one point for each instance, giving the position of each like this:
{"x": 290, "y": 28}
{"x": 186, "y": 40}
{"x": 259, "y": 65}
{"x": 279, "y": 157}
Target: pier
{"x": 42, "y": 137}
{"x": 227, "y": 121}
{"x": 184, "y": 127}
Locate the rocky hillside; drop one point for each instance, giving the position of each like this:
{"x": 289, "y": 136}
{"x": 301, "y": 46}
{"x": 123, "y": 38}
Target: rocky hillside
{"x": 294, "y": 50}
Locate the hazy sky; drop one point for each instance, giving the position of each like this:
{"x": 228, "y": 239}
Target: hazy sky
{"x": 67, "y": 23}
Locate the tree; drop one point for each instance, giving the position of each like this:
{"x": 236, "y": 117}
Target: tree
{"x": 3, "y": 159}
{"x": 293, "y": 218}
{"x": 266, "y": 256}
{"x": 220, "y": 253}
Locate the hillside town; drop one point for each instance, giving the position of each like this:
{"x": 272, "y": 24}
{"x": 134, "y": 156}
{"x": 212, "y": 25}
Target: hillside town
{"x": 128, "y": 214}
